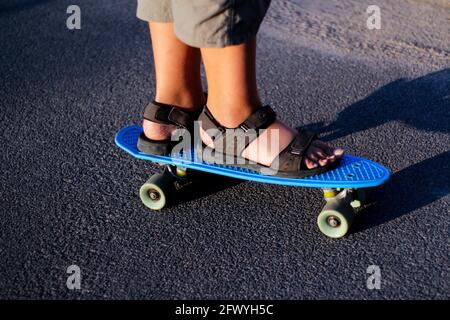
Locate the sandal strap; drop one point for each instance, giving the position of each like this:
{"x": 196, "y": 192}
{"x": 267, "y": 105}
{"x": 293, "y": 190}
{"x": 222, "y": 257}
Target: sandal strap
{"x": 168, "y": 114}
{"x": 239, "y": 136}
{"x": 260, "y": 119}
{"x": 302, "y": 141}
{"x": 291, "y": 158}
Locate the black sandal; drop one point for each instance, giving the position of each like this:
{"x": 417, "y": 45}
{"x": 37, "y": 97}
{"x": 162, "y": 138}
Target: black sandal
{"x": 287, "y": 164}
{"x": 165, "y": 114}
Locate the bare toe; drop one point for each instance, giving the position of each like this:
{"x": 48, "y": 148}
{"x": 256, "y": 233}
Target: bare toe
{"x": 325, "y": 147}
{"x": 323, "y": 162}
{"x": 339, "y": 152}
{"x": 310, "y": 164}
{"x": 312, "y": 154}
{"x": 330, "y": 151}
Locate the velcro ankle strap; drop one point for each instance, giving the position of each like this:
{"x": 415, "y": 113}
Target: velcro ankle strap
{"x": 235, "y": 140}
{"x": 168, "y": 114}
{"x": 260, "y": 119}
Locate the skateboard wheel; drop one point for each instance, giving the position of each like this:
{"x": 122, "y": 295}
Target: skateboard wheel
{"x": 359, "y": 198}
{"x": 156, "y": 191}
{"x": 335, "y": 219}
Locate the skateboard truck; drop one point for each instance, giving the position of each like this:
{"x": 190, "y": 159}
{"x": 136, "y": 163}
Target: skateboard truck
{"x": 339, "y": 211}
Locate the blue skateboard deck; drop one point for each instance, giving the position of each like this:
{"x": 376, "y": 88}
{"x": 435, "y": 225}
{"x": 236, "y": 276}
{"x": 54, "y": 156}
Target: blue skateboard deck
{"x": 352, "y": 173}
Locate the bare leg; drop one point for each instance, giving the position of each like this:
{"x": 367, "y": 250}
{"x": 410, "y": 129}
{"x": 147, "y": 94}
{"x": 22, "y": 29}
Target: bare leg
{"x": 233, "y": 96}
{"x": 177, "y": 69}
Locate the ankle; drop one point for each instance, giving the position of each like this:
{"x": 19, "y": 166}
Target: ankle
{"x": 231, "y": 113}
{"x": 185, "y": 99}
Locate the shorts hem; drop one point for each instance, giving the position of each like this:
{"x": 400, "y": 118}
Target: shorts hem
{"x": 152, "y": 18}
{"x": 218, "y": 43}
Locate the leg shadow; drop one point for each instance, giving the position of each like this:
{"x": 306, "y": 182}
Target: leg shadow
{"x": 422, "y": 103}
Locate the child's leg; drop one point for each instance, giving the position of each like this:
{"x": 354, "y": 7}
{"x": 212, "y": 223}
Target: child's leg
{"x": 233, "y": 96}
{"x": 177, "y": 69}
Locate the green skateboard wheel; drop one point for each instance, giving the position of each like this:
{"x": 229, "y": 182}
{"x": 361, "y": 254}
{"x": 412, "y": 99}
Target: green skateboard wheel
{"x": 156, "y": 192}
{"x": 335, "y": 219}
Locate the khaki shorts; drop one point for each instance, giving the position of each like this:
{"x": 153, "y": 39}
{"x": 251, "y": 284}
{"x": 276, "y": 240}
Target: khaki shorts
{"x": 207, "y": 23}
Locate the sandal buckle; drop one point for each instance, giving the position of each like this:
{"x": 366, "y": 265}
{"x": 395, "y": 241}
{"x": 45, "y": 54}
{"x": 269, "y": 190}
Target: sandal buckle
{"x": 244, "y": 127}
{"x": 296, "y": 151}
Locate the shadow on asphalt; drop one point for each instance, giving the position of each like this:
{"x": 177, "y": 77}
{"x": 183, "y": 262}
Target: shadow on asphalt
{"x": 408, "y": 190}
{"x": 206, "y": 184}
{"x": 10, "y": 6}
{"x": 422, "y": 103}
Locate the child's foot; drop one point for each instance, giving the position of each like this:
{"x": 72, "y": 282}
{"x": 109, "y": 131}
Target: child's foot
{"x": 159, "y": 131}
{"x": 160, "y": 120}
{"x": 317, "y": 154}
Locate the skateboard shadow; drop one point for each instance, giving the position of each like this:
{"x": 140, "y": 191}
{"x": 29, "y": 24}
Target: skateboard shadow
{"x": 408, "y": 190}
{"x": 205, "y": 185}
{"x": 422, "y": 103}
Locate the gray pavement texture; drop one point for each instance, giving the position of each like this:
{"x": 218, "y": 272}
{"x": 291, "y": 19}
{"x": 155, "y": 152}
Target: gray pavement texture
{"x": 69, "y": 196}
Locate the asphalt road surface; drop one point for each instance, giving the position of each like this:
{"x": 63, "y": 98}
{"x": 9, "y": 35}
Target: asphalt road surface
{"x": 69, "y": 196}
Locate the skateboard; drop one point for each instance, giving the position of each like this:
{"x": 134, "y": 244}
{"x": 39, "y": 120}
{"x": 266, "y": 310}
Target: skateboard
{"x": 343, "y": 187}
